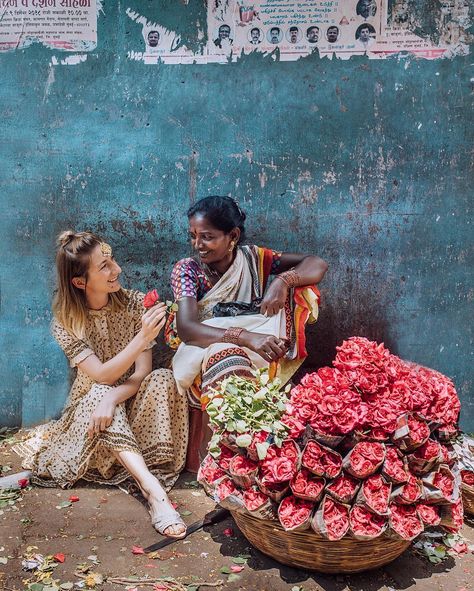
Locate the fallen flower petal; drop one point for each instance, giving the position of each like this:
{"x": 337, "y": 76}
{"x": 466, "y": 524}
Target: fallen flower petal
{"x": 73, "y": 499}
{"x": 229, "y": 532}
{"x": 59, "y": 557}
{"x": 137, "y": 550}
{"x": 23, "y": 482}
{"x": 235, "y": 568}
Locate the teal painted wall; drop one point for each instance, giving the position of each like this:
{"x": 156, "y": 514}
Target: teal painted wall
{"x": 366, "y": 163}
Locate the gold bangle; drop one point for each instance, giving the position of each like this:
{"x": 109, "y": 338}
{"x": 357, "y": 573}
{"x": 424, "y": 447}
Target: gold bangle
{"x": 291, "y": 278}
{"x": 232, "y": 335}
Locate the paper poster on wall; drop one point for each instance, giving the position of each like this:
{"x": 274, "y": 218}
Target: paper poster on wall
{"x": 378, "y": 28}
{"x": 69, "y": 25}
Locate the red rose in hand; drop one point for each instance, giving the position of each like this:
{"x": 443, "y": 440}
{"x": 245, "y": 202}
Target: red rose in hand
{"x": 151, "y": 298}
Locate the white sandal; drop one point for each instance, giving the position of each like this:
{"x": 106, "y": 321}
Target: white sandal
{"x": 167, "y": 519}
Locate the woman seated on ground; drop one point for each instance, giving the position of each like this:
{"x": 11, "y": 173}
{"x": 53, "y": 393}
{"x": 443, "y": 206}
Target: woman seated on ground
{"x": 121, "y": 418}
{"x": 228, "y": 319}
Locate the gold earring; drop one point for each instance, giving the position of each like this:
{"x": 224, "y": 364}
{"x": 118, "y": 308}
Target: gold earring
{"x": 232, "y": 244}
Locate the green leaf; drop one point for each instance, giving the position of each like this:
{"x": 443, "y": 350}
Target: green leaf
{"x": 192, "y": 588}
{"x": 66, "y": 586}
{"x": 225, "y": 570}
{"x": 239, "y": 560}
{"x": 233, "y": 577}
{"x": 35, "y": 587}
{"x": 185, "y": 512}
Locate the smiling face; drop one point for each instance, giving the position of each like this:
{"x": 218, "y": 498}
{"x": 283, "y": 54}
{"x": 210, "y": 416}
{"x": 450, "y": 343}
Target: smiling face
{"x": 212, "y": 245}
{"x": 224, "y": 32}
{"x": 153, "y": 38}
{"x": 102, "y": 275}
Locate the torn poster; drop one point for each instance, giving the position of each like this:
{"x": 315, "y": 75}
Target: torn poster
{"x": 68, "y": 25}
{"x": 289, "y": 30}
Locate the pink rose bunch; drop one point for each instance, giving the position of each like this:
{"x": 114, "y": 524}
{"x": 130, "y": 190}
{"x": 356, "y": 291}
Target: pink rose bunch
{"x": 375, "y": 494}
{"x": 394, "y": 468}
{"x": 280, "y": 463}
{"x": 365, "y": 458}
{"x": 405, "y": 521}
{"x": 429, "y": 514}
{"x": 254, "y": 499}
{"x": 343, "y": 488}
{"x": 321, "y": 460}
{"x": 364, "y": 524}
{"x": 331, "y": 520}
{"x": 306, "y": 485}
{"x": 294, "y": 513}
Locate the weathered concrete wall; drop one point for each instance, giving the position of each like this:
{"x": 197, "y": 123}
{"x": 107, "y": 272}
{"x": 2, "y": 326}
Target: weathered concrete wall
{"x": 367, "y": 163}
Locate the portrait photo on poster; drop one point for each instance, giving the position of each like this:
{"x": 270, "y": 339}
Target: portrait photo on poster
{"x": 312, "y": 34}
{"x": 365, "y": 36}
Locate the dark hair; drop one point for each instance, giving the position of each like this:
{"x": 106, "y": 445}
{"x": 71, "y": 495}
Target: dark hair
{"x": 222, "y": 212}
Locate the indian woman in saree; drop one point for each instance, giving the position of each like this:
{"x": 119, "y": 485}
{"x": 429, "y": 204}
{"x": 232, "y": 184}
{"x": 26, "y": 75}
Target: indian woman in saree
{"x": 231, "y": 318}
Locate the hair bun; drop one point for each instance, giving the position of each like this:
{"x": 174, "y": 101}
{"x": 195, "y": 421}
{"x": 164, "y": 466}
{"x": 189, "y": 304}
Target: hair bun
{"x": 65, "y": 237}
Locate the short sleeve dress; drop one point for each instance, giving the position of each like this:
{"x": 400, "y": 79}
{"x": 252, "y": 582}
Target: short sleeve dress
{"x": 153, "y": 422}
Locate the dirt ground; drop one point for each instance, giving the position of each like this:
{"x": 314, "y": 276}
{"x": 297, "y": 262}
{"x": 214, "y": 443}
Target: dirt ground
{"x": 103, "y": 526}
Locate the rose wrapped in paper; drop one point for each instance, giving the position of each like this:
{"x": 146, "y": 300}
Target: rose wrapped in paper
{"x": 411, "y": 432}
{"x": 307, "y": 486}
{"x": 425, "y": 458}
{"x": 259, "y": 504}
{"x": 331, "y": 520}
{"x": 364, "y": 459}
{"x": 374, "y": 434}
{"x": 209, "y": 474}
{"x": 228, "y": 496}
{"x": 467, "y": 477}
{"x": 295, "y": 514}
{"x": 321, "y": 460}
{"x": 405, "y": 522}
{"x": 243, "y": 471}
{"x": 365, "y": 525}
{"x": 275, "y": 492}
{"x": 447, "y": 432}
{"x": 452, "y": 516}
{"x": 343, "y": 488}
{"x": 375, "y": 494}
{"x": 394, "y": 468}
{"x": 408, "y": 493}
{"x": 224, "y": 457}
{"x": 448, "y": 455}
{"x": 441, "y": 487}
{"x": 280, "y": 463}
{"x": 429, "y": 514}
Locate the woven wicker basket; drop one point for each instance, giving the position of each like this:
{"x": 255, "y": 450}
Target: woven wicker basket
{"x": 468, "y": 498}
{"x": 308, "y": 550}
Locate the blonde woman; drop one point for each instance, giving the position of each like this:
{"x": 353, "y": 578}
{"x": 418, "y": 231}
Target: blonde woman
{"x": 121, "y": 419}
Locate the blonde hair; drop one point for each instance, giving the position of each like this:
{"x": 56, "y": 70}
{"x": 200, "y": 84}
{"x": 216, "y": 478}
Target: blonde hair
{"x": 73, "y": 254}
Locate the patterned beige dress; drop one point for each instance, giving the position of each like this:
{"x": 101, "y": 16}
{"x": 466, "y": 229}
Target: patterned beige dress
{"x": 154, "y": 422}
